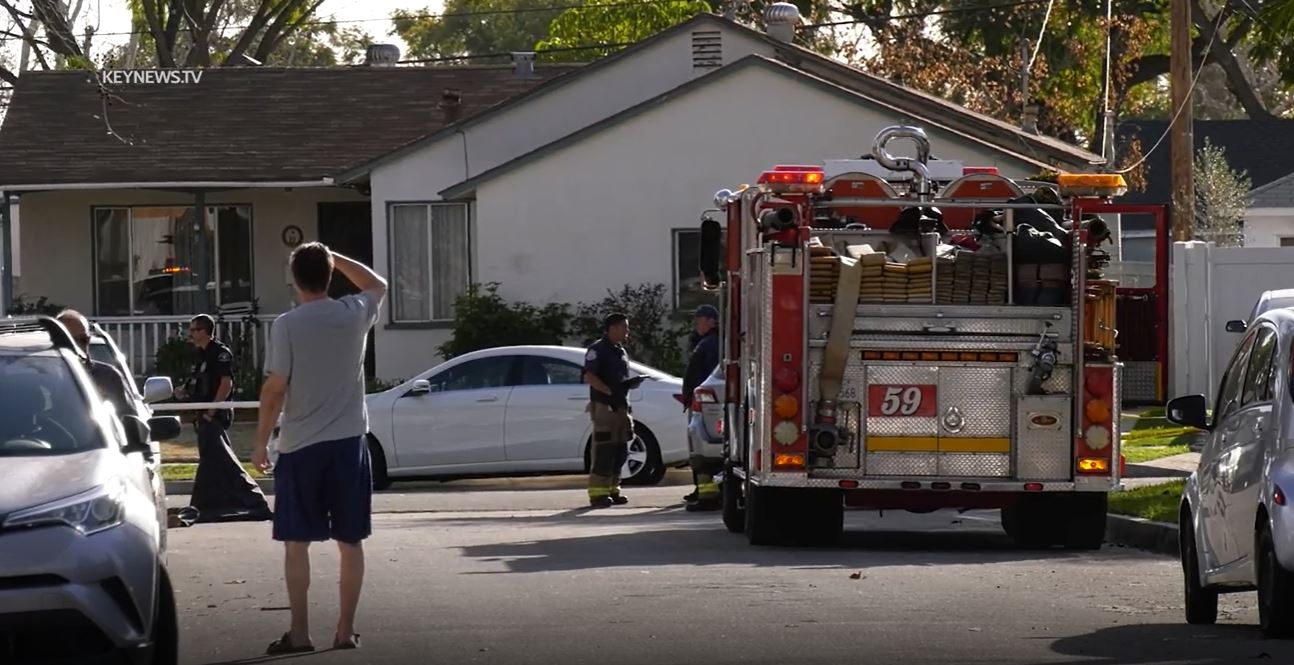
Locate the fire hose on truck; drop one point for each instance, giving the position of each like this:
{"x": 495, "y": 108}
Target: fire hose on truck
{"x": 911, "y": 333}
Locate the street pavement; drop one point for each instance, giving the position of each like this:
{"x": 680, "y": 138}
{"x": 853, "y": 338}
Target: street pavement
{"x": 515, "y": 572}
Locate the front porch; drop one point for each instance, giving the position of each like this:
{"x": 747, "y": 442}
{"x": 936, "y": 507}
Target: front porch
{"x": 141, "y": 263}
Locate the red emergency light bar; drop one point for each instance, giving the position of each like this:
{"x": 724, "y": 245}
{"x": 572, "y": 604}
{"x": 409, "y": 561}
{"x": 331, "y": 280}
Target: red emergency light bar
{"x": 792, "y": 175}
{"x": 970, "y": 170}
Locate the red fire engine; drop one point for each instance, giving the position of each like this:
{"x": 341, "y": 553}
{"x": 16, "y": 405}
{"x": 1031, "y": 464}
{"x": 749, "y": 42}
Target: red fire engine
{"x": 909, "y": 333}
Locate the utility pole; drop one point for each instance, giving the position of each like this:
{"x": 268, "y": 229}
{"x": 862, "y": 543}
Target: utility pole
{"x": 1183, "y": 142}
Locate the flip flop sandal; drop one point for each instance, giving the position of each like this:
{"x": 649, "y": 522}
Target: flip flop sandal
{"x": 352, "y": 643}
{"x": 284, "y": 645}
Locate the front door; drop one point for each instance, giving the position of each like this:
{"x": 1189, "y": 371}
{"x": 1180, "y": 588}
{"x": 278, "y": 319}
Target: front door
{"x": 460, "y": 422}
{"x": 347, "y": 228}
{"x": 1217, "y": 458}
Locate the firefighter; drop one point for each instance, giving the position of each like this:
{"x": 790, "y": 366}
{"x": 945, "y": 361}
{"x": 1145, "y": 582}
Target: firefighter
{"x": 606, "y": 370}
{"x": 704, "y": 357}
{"x": 222, "y": 489}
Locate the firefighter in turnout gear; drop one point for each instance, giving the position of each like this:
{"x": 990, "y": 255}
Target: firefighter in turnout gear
{"x": 606, "y": 370}
{"x": 701, "y": 362}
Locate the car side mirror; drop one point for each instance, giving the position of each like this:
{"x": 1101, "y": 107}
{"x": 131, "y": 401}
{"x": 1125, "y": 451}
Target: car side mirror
{"x": 164, "y": 428}
{"x": 711, "y": 238}
{"x": 158, "y": 389}
{"x": 137, "y": 434}
{"x": 1237, "y": 326}
{"x": 419, "y": 387}
{"x": 1190, "y": 411}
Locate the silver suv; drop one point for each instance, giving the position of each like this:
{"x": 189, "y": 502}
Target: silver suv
{"x": 1236, "y": 520}
{"x": 83, "y": 571}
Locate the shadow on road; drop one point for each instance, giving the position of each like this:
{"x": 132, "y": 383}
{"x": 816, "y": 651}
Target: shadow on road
{"x": 1147, "y": 644}
{"x": 668, "y": 536}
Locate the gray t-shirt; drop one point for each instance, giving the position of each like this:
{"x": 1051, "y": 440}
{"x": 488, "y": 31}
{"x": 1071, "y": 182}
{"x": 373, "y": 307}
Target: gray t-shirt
{"x": 319, "y": 348}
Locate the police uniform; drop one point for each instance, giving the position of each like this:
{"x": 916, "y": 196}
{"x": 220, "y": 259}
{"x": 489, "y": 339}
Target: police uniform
{"x": 613, "y": 426}
{"x": 222, "y": 488}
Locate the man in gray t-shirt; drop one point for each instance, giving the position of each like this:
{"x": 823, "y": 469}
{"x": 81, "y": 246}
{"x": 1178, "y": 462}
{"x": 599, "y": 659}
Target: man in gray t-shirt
{"x": 322, "y": 481}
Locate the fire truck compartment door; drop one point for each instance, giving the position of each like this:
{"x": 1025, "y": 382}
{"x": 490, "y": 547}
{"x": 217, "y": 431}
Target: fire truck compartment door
{"x": 938, "y": 421}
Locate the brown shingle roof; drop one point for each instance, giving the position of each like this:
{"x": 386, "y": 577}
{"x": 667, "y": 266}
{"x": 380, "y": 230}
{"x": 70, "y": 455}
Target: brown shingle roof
{"x": 236, "y": 124}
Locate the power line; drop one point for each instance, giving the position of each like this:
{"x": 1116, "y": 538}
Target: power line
{"x": 1190, "y": 96}
{"x": 484, "y": 12}
{"x": 1043, "y": 33}
{"x": 936, "y": 12}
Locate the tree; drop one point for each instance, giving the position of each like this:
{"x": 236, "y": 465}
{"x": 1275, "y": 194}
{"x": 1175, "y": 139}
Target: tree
{"x": 1221, "y": 198}
{"x": 475, "y": 27}
{"x": 616, "y": 26}
{"x": 177, "y": 33}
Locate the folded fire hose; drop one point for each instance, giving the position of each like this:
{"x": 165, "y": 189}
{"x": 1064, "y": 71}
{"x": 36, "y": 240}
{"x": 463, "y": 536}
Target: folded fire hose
{"x": 836, "y": 355}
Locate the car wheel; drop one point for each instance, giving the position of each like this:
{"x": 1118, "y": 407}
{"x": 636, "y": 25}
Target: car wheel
{"x": 734, "y": 513}
{"x": 1275, "y": 590}
{"x": 644, "y": 465}
{"x": 1201, "y": 603}
{"x": 377, "y": 461}
{"x": 166, "y": 623}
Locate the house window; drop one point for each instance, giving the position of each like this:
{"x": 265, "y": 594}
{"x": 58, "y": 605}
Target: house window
{"x": 688, "y": 294}
{"x": 146, "y": 259}
{"x": 1287, "y": 241}
{"x": 430, "y": 264}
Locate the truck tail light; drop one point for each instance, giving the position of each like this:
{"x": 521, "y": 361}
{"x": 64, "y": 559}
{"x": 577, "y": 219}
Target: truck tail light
{"x": 784, "y": 410}
{"x": 703, "y": 396}
{"x": 1094, "y": 452}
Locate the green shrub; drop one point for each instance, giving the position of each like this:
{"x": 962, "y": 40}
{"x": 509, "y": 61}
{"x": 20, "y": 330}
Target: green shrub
{"x": 376, "y": 385}
{"x": 655, "y": 336}
{"x": 174, "y": 358}
{"x": 22, "y": 307}
{"x": 483, "y": 320}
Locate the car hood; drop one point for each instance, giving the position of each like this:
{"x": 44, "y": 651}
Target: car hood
{"x": 35, "y": 481}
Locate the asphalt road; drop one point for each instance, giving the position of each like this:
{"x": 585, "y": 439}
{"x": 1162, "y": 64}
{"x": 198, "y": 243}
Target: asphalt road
{"x": 505, "y": 574}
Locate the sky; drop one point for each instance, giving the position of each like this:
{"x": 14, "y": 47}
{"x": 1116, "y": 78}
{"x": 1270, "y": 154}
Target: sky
{"x": 113, "y": 16}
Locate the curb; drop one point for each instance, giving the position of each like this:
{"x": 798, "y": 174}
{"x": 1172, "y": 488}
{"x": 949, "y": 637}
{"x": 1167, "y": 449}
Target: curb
{"x": 1157, "y": 537}
{"x": 185, "y": 487}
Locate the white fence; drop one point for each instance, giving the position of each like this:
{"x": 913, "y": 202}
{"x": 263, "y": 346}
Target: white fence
{"x": 141, "y": 336}
{"x": 1210, "y": 286}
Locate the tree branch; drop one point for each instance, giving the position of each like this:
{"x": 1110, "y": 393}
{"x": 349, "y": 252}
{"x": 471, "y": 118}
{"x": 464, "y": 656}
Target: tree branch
{"x": 262, "y": 16}
{"x": 1237, "y": 82}
{"x": 57, "y": 27}
{"x": 281, "y": 28}
{"x": 8, "y": 76}
{"x": 165, "y": 56}
{"x": 28, "y": 36}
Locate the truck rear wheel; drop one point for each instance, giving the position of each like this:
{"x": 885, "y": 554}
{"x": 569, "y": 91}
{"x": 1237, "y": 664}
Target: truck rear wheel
{"x": 734, "y": 514}
{"x": 1084, "y": 520}
{"x": 764, "y": 506}
{"x": 819, "y": 517}
{"x": 1032, "y": 522}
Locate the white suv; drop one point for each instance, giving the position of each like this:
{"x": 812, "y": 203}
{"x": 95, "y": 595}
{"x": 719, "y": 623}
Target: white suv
{"x": 82, "y": 538}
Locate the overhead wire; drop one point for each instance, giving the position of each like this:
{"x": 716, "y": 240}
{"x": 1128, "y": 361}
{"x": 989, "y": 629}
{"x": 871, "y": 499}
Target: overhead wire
{"x": 925, "y": 14}
{"x": 1037, "y": 46}
{"x": 1190, "y": 96}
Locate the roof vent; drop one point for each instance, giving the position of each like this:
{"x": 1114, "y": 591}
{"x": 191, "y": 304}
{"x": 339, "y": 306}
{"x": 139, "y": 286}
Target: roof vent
{"x": 523, "y": 64}
{"x": 451, "y": 102}
{"x": 382, "y": 55}
{"x": 780, "y": 20}
{"x": 707, "y": 49}
{"x": 1029, "y": 123}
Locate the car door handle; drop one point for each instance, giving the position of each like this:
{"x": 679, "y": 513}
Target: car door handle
{"x": 488, "y": 399}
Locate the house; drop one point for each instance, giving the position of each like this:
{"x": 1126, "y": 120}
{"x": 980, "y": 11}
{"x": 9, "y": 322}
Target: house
{"x": 558, "y": 186}
{"x": 1270, "y": 219}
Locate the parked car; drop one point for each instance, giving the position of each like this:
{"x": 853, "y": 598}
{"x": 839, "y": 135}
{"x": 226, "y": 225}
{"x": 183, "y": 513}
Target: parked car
{"x": 1236, "y": 524}
{"x": 82, "y": 535}
{"x": 515, "y": 411}
{"x": 1268, "y": 301}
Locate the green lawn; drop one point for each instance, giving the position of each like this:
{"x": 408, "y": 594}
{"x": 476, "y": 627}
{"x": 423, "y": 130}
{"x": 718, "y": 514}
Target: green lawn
{"x": 1153, "y": 437}
{"x": 1158, "y": 503}
{"x": 185, "y": 471}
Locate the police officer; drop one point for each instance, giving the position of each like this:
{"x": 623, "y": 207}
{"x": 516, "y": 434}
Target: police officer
{"x": 222, "y": 489}
{"x": 702, "y": 360}
{"x": 606, "y": 370}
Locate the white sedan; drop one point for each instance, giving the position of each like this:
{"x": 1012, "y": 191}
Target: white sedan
{"x": 516, "y": 410}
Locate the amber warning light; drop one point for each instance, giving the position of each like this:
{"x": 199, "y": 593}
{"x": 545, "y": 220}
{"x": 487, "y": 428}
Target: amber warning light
{"x": 792, "y": 178}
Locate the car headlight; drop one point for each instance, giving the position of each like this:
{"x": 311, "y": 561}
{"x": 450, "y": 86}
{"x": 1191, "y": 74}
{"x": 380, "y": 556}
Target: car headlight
{"x": 90, "y": 512}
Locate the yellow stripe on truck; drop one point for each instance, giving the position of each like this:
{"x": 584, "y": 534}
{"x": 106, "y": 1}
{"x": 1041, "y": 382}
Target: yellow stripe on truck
{"x": 902, "y": 444}
{"x": 930, "y": 444}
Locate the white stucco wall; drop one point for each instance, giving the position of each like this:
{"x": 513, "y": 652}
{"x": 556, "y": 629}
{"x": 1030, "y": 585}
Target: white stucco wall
{"x": 599, "y": 213}
{"x": 56, "y": 237}
{"x": 542, "y": 119}
{"x": 1264, "y": 227}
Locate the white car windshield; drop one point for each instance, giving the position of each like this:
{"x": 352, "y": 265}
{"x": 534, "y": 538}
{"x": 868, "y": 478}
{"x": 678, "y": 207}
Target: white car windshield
{"x": 45, "y": 412}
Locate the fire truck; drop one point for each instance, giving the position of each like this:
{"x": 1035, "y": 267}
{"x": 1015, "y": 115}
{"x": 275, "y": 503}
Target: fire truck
{"x": 908, "y": 333}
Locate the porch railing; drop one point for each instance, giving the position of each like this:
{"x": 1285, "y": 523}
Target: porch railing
{"x": 139, "y": 337}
